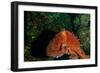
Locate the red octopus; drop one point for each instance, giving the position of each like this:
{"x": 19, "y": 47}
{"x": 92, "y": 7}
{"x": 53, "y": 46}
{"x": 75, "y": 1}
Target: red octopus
{"x": 65, "y": 42}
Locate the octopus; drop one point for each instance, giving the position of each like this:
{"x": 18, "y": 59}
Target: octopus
{"x": 65, "y": 42}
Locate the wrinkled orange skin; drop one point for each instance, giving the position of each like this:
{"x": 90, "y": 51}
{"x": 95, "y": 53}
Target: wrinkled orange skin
{"x": 72, "y": 46}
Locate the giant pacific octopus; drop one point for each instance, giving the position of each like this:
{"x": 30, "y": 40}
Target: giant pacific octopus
{"x": 65, "y": 42}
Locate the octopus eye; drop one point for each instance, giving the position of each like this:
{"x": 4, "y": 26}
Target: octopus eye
{"x": 64, "y": 46}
